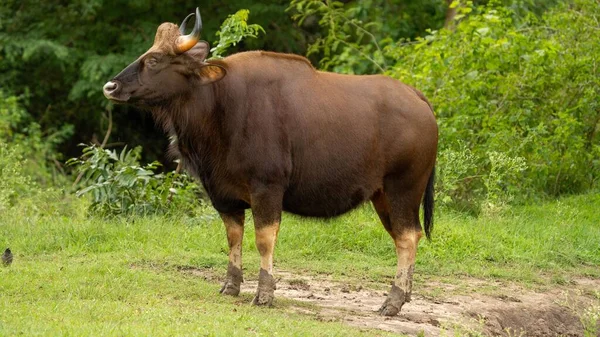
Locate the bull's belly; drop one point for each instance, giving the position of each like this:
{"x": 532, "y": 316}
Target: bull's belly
{"x": 325, "y": 200}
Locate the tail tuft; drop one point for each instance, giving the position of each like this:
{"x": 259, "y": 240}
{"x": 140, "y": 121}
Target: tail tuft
{"x": 428, "y": 206}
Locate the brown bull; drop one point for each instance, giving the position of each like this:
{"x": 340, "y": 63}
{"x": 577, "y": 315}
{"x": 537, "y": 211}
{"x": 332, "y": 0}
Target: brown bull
{"x": 268, "y": 132}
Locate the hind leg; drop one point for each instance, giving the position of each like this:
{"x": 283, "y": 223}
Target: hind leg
{"x": 398, "y": 209}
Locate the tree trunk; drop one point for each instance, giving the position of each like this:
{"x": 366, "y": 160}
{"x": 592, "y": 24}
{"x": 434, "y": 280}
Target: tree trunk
{"x": 450, "y": 14}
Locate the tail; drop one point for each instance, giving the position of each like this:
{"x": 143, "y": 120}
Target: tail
{"x": 428, "y": 202}
{"x": 428, "y": 199}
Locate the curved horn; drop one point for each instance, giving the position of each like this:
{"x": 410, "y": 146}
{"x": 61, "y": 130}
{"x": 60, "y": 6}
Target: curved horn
{"x": 186, "y": 42}
{"x": 184, "y": 23}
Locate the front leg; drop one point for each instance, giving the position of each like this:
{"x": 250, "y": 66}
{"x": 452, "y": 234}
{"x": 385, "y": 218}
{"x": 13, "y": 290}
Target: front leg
{"x": 234, "y": 225}
{"x": 266, "y": 209}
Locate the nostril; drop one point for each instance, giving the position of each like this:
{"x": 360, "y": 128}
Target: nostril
{"x": 110, "y": 86}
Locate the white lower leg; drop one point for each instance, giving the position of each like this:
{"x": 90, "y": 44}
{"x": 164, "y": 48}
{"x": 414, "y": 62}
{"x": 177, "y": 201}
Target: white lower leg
{"x": 265, "y": 242}
{"x": 406, "y": 251}
{"x": 266, "y": 237}
{"x": 234, "y": 225}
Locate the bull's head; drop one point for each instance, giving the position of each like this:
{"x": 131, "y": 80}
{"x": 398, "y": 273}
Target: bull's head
{"x": 171, "y": 67}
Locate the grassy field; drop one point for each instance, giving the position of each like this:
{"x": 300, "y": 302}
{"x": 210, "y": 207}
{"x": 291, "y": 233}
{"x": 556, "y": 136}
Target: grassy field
{"x": 76, "y": 275}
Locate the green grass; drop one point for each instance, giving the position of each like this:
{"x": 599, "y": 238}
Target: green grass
{"x": 538, "y": 243}
{"x": 75, "y": 275}
{"x": 61, "y": 294}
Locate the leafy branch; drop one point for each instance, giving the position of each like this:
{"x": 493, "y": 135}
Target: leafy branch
{"x": 233, "y": 30}
{"x": 341, "y": 29}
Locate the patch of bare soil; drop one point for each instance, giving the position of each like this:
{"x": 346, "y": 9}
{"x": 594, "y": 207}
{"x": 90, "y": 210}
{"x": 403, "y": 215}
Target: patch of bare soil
{"x": 509, "y": 310}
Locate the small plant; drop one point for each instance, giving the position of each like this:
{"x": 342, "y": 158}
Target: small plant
{"x": 118, "y": 184}
{"x": 12, "y": 181}
{"x": 459, "y": 330}
{"x": 347, "y": 46}
{"x": 233, "y": 30}
{"x": 589, "y": 316}
{"x": 501, "y": 179}
{"x": 456, "y": 174}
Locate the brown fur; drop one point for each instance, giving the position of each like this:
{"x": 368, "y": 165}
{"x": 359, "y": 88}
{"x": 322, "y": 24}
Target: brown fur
{"x": 166, "y": 35}
{"x": 292, "y": 57}
{"x": 256, "y": 69}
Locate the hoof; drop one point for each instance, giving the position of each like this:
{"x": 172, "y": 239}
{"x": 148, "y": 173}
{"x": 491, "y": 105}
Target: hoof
{"x": 233, "y": 281}
{"x": 393, "y": 303}
{"x": 266, "y": 289}
{"x": 229, "y": 288}
{"x": 263, "y": 299}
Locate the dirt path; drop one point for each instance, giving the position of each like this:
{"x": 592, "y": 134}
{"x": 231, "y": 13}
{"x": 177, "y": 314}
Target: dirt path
{"x": 511, "y": 310}
{"x": 469, "y": 307}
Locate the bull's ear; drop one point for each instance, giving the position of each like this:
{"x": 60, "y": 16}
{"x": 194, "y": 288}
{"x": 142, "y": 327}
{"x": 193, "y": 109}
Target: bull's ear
{"x": 199, "y": 51}
{"x": 210, "y": 73}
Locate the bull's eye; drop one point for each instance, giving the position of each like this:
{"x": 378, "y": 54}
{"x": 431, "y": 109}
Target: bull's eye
{"x": 151, "y": 62}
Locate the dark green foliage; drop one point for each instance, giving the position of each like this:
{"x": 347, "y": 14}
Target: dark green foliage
{"x": 353, "y": 34}
{"x": 347, "y": 36}
{"x": 59, "y": 54}
{"x": 31, "y": 146}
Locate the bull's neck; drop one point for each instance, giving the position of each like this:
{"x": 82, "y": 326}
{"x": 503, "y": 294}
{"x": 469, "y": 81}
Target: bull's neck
{"x": 197, "y": 119}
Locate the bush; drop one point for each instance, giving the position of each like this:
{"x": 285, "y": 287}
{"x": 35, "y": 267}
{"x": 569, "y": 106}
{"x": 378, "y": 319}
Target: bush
{"x": 35, "y": 150}
{"x": 119, "y": 185}
{"x": 22, "y": 195}
{"x": 13, "y": 184}
{"x": 29, "y": 166}
{"x": 525, "y": 95}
